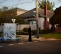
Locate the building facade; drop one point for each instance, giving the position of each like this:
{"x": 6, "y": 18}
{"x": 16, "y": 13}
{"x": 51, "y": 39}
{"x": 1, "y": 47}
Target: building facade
{"x": 30, "y": 16}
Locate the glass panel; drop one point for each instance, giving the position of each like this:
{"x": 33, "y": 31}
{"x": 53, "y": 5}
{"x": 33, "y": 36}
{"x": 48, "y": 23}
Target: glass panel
{"x": 34, "y": 22}
{"x": 30, "y": 22}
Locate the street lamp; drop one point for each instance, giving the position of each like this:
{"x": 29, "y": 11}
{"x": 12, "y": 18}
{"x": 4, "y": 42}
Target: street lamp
{"x": 13, "y": 20}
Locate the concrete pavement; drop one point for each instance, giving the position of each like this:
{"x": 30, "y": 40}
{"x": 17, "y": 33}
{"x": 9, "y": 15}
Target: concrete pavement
{"x": 38, "y": 46}
{"x": 25, "y": 37}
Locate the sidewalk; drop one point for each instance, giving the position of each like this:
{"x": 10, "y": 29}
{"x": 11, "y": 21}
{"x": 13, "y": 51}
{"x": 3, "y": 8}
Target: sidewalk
{"x": 37, "y": 46}
{"x": 25, "y": 37}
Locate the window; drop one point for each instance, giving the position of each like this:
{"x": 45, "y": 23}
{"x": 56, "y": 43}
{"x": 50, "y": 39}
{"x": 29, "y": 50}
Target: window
{"x": 34, "y": 22}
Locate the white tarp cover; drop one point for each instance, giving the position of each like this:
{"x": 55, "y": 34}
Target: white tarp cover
{"x": 9, "y": 31}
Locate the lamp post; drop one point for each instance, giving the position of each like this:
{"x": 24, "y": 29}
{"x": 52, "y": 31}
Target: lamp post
{"x": 37, "y": 26}
{"x": 13, "y": 20}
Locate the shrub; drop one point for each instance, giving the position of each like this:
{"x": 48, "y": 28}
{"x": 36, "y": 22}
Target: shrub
{"x": 42, "y": 31}
{"x": 45, "y": 31}
{"x": 19, "y": 32}
{"x": 25, "y": 29}
{"x": 33, "y": 32}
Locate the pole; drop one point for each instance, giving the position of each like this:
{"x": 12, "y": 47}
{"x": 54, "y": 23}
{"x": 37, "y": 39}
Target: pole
{"x": 37, "y": 26}
{"x": 46, "y": 23}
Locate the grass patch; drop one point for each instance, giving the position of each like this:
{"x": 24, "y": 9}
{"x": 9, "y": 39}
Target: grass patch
{"x": 51, "y": 35}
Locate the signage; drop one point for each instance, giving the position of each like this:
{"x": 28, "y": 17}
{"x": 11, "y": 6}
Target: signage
{"x": 9, "y": 31}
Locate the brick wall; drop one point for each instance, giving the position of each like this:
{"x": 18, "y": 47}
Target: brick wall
{"x": 58, "y": 29}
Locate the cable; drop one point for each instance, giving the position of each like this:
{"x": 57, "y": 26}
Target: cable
{"x": 25, "y": 2}
{"x": 3, "y": 1}
{"x": 18, "y": 2}
{"x": 21, "y": 3}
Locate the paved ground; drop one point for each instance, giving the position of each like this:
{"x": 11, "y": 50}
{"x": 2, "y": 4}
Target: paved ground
{"x": 38, "y": 46}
